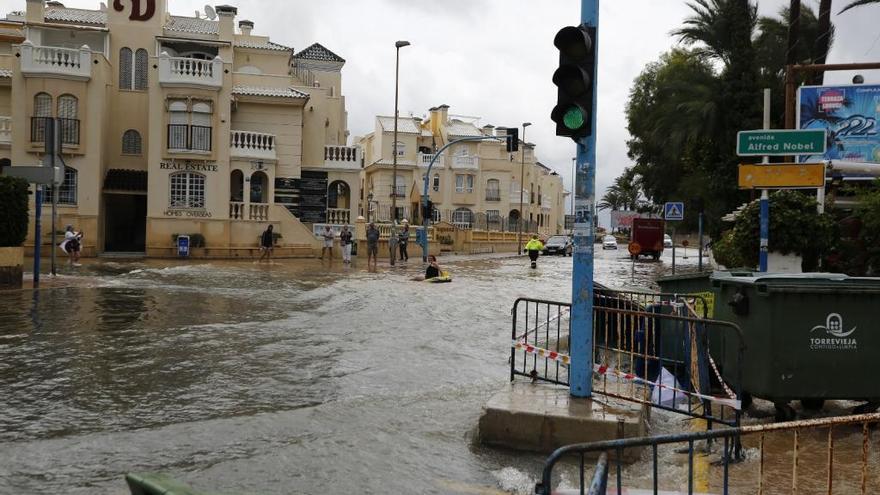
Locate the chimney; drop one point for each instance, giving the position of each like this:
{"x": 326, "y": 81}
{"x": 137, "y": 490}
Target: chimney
{"x": 488, "y": 130}
{"x": 227, "y": 15}
{"x": 501, "y": 131}
{"x": 36, "y": 11}
{"x": 246, "y": 27}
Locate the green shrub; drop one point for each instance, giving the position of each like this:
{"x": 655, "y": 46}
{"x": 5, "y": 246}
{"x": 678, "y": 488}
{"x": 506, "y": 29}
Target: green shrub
{"x": 445, "y": 239}
{"x": 13, "y": 211}
{"x": 725, "y": 251}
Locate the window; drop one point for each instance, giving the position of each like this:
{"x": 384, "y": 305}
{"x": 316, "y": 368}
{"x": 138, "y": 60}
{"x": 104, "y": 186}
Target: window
{"x": 187, "y": 190}
{"x": 42, "y": 116}
{"x": 532, "y": 193}
{"x": 133, "y": 69}
{"x": 464, "y": 183}
{"x": 67, "y": 191}
{"x": 69, "y": 119}
{"x": 189, "y": 128}
{"x": 131, "y": 143}
{"x": 539, "y": 195}
{"x": 493, "y": 190}
{"x": 463, "y": 217}
{"x": 399, "y": 187}
{"x": 436, "y": 182}
{"x": 400, "y": 148}
{"x": 125, "y": 68}
{"x": 141, "y": 77}
{"x": 435, "y": 215}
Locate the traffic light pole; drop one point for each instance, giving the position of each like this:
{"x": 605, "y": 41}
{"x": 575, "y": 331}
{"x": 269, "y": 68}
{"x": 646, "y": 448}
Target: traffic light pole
{"x": 426, "y": 218}
{"x": 582, "y": 278}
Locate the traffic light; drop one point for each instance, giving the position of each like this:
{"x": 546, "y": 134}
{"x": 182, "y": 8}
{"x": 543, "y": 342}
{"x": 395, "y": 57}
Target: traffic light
{"x": 573, "y": 113}
{"x": 512, "y": 139}
{"x": 428, "y": 210}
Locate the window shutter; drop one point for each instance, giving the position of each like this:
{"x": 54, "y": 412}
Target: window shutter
{"x": 125, "y": 72}
{"x": 141, "y": 74}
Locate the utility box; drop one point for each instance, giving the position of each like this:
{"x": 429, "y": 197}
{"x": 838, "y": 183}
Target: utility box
{"x": 183, "y": 246}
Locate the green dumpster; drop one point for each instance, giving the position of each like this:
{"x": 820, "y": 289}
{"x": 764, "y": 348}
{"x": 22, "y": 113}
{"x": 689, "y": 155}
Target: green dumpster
{"x": 809, "y": 337}
{"x": 692, "y": 284}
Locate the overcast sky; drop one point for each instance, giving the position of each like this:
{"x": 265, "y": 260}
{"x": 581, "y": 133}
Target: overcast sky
{"x": 495, "y": 58}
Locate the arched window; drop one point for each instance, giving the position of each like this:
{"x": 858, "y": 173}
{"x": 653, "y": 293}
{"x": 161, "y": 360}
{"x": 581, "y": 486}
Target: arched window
{"x": 141, "y": 62}
{"x": 67, "y": 191}
{"x": 436, "y": 182}
{"x": 68, "y": 114}
{"x": 131, "y": 143}
{"x": 493, "y": 190}
{"x": 125, "y": 68}
{"x": 42, "y": 116}
{"x": 435, "y": 215}
{"x": 187, "y": 190}
{"x": 463, "y": 218}
{"x": 42, "y": 105}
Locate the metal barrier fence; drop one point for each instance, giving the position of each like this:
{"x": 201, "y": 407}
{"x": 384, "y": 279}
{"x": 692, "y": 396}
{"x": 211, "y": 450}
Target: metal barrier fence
{"x": 768, "y": 476}
{"x": 648, "y": 348}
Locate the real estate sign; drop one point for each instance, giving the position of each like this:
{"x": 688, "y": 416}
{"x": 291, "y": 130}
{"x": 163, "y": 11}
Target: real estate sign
{"x": 849, "y": 115}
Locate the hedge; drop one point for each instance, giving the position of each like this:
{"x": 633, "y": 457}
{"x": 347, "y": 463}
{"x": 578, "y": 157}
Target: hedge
{"x": 13, "y": 211}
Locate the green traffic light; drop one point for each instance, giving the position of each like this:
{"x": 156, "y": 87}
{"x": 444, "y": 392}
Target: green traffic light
{"x": 574, "y": 118}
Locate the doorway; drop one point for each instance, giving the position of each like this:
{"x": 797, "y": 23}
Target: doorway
{"x": 125, "y": 223}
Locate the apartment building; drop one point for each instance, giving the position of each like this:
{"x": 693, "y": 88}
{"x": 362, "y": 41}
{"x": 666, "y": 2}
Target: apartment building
{"x": 176, "y": 125}
{"x": 472, "y": 185}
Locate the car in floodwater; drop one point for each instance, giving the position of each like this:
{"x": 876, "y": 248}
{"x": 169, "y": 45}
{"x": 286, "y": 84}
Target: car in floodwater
{"x": 558, "y": 244}
{"x": 667, "y": 241}
{"x": 609, "y": 242}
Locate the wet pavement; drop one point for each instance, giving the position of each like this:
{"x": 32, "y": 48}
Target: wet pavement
{"x": 295, "y": 377}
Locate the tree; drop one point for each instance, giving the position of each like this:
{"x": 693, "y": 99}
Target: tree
{"x": 715, "y": 25}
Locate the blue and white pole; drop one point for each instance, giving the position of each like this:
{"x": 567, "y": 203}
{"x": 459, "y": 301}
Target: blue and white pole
{"x": 582, "y": 278}
{"x": 765, "y": 200}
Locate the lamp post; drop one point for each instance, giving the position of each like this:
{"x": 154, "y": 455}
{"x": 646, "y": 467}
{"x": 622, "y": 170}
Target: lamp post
{"x": 369, "y": 205}
{"x": 573, "y": 175}
{"x": 398, "y": 45}
{"x": 522, "y": 178}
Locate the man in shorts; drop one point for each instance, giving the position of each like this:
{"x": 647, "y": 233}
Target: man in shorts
{"x": 328, "y": 242}
{"x": 372, "y": 244}
{"x": 345, "y": 239}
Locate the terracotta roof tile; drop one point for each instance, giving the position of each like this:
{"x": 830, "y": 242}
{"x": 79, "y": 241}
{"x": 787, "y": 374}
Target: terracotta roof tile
{"x": 319, "y": 52}
{"x": 267, "y": 91}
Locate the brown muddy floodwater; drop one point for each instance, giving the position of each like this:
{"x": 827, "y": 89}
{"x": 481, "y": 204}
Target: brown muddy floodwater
{"x": 292, "y": 378}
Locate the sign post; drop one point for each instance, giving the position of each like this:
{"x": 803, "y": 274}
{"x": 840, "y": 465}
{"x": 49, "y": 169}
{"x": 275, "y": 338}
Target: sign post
{"x": 673, "y": 212}
{"x": 781, "y": 142}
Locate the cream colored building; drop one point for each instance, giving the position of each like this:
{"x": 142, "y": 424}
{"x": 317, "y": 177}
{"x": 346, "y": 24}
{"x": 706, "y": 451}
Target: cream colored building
{"x": 177, "y": 125}
{"x": 473, "y": 185}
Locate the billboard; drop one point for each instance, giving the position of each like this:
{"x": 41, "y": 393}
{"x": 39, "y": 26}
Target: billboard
{"x": 850, "y": 116}
{"x": 624, "y": 219}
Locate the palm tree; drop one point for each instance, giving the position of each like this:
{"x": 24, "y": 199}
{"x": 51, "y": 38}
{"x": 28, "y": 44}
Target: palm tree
{"x": 710, "y": 27}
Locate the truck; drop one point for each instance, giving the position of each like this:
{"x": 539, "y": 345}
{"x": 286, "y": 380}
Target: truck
{"x": 647, "y": 238}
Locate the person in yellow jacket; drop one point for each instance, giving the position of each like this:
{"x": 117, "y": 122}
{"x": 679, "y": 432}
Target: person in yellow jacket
{"x": 534, "y": 248}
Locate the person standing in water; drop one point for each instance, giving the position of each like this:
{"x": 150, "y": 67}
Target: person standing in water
{"x": 267, "y": 244}
{"x": 403, "y": 239}
{"x": 372, "y": 244}
{"x": 328, "y": 242}
{"x": 345, "y": 240}
{"x": 72, "y": 245}
{"x": 534, "y": 248}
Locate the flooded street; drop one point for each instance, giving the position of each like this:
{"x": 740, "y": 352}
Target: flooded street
{"x": 243, "y": 378}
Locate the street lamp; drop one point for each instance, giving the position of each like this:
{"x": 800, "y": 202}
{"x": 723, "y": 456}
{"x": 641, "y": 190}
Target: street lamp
{"x": 398, "y": 45}
{"x": 522, "y": 178}
{"x": 369, "y": 205}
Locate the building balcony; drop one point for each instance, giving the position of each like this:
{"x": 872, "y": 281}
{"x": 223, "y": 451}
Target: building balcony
{"x": 465, "y": 163}
{"x": 50, "y": 61}
{"x": 183, "y": 138}
{"x": 5, "y": 131}
{"x": 184, "y": 71}
{"x": 256, "y": 212}
{"x": 399, "y": 191}
{"x": 256, "y": 145}
{"x": 69, "y": 129}
{"x": 493, "y": 195}
{"x": 342, "y": 157}
{"x": 424, "y": 159}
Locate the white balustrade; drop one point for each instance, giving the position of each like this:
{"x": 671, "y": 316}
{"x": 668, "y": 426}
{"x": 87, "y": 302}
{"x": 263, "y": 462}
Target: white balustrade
{"x": 5, "y": 130}
{"x": 236, "y": 210}
{"x": 465, "y": 162}
{"x": 40, "y": 61}
{"x": 249, "y": 211}
{"x": 248, "y": 144}
{"x": 425, "y": 159}
{"x": 338, "y": 216}
{"x": 342, "y": 157}
{"x": 184, "y": 71}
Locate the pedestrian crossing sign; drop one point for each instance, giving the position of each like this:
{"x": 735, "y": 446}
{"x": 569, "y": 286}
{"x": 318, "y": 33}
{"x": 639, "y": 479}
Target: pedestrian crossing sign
{"x": 674, "y": 211}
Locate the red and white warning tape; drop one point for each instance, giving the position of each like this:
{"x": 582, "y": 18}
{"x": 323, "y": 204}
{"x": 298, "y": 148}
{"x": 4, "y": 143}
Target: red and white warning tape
{"x": 607, "y": 370}
{"x": 545, "y": 353}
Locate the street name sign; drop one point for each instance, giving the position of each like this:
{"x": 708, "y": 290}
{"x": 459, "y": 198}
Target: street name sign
{"x": 782, "y": 176}
{"x": 673, "y": 211}
{"x": 34, "y": 175}
{"x": 781, "y": 142}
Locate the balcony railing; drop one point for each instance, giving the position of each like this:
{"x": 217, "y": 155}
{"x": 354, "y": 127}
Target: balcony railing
{"x": 189, "y": 138}
{"x": 258, "y": 212}
{"x": 184, "y": 71}
{"x": 338, "y": 216}
{"x": 6, "y": 130}
{"x": 69, "y": 130}
{"x": 465, "y": 162}
{"x": 344, "y": 157}
{"x": 493, "y": 195}
{"x": 39, "y": 61}
{"x": 399, "y": 191}
{"x": 425, "y": 159}
{"x": 248, "y": 144}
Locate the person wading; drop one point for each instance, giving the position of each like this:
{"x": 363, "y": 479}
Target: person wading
{"x": 403, "y": 239}
{"x": 534, "y": 248}
{"x": 267, "y": 244}
{"x": 372, "y": 244}
{"x": 345, "y": 240}
{"x": 328, "y": 242}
